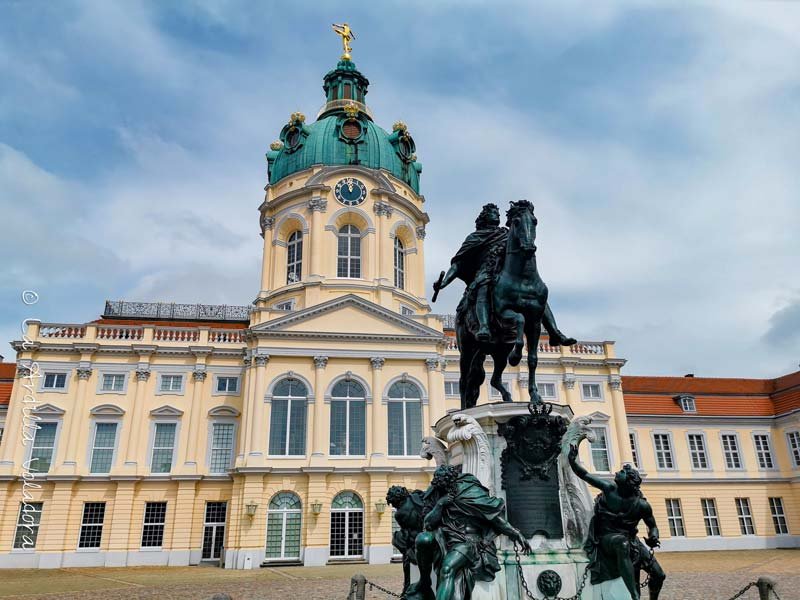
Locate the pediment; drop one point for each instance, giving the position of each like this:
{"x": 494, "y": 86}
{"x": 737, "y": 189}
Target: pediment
{"x": 600, "y": 417}
{"x": 166, "y": 411}
{"x": 49, "y": 410}
{"x": 348, "y": 316}
{"x": 107, "y": 410}
{"x": 223, "y": 411}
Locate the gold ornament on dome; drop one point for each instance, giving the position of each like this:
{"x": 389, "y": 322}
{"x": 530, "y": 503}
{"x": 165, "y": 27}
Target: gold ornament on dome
{"x": 297, "y": 117}
{"x": 400, "y": 126}
{"x": 347, "y": 36}
{"x": 276, "y": 145}
{"x": 351, "y": 110}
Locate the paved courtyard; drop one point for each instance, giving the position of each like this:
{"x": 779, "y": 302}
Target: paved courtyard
{"x": 691, "y": 576}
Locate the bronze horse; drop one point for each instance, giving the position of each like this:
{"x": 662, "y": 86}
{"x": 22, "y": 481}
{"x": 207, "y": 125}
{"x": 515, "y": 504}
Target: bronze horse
{"x": 519, "y": 309}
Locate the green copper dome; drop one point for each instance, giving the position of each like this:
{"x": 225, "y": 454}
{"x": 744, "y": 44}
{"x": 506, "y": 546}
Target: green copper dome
{"x": 344, "y": 134}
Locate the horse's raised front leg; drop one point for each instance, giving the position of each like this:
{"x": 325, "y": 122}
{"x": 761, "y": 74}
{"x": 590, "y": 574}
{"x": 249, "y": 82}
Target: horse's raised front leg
{"x": 533, "y": 329}
{"x": 515, "y": 356}
{"x": 500, "y": 356}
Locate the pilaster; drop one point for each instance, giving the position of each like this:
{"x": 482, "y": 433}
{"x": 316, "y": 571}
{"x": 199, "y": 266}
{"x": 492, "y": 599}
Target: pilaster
{"x": 378, "y": 424}
{"x": 258, "y": 424}
{"x": 436, "y": 403}
{"x": 319, "y": 437}
{"x": 120, "y": 523}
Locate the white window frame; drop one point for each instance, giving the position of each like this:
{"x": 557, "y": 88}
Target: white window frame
{"x": 793, "y": 444}
{"x": 163, "y": 526}
{"x": 710, "y": 521}
{"x": 399, "y": 263}
{"x": 606, "y": 430}
{"x": 705, "y": 453}
{"x": 285, "y": 305}
{"x": 55, "y": 371}
{"x": 294, "y": 268}
{"x": 555, "y": 389}
{"x": 451, "y": 395}
{"x": 347, "y": 532}
{"x": 284, "y": 513}
{"x": 101, "y": 525}
{"x": 91, "y": 449}
{"x": 216, "y": 392}
{"x": 348, "y": 402}
{"x": 745, "y": 519}
{"x": 768, "y": 453}
{"x": 405, "y": 402}
{"x": 633, "y": 440}
{"x": 162, "y": 392}
{"x": 406, "y": 310}
{"x": 30, "y": 465}
{"x": 675, "y": 520}
{"x": 738, "y": 454}
{"x": 350, "y": 257}
{"x": 175, "y": 442}
{"x": 688, "y": 403}
{"x": 672, "y": 456}
{"x": 585, "y": 398}
{"x": 777, "y": 511}
{"x": 210, "y": 442}
{"x": 101, "y": 382}
{"x": 27, "y": 526}
{"x": 306, "y": 401}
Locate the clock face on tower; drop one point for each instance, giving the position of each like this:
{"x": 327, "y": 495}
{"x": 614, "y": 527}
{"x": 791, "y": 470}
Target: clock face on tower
{"x": 350, "y": 191}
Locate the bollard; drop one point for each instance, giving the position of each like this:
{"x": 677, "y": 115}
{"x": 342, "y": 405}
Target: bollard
{"x": 358, "y": 587}
{"x": 765, "y": 585}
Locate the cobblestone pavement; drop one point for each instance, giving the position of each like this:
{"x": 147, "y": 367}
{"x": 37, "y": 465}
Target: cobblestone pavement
{"x": 690, "y": 576}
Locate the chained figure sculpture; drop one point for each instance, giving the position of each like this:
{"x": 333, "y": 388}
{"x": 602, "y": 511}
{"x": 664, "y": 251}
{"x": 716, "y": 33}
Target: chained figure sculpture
{"x": 460, "y": 525}
{"x": 613, "y": 546}
{"x": 409, "y": 507}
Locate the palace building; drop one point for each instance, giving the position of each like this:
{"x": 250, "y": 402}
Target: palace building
{"x": 269, "y": 433}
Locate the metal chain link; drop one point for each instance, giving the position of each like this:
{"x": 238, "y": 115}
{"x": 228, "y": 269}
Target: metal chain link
{"x": 774, "y": 593}
{"x": 528, "y": 593}
{"x": 372, "y": 586}
{"x": 741, "y": 592}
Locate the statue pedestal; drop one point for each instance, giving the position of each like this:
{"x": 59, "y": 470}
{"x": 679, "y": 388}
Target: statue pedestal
{"x": 507, "y": 447}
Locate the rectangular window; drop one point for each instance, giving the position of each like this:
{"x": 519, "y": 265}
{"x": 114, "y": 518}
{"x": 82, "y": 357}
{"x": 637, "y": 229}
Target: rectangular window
{"x": 697, "y": 450}
{"x": 43, "y": 447}
{"x": 405, "y": 427}
{"x": 105, "y": 440}
{"x": 763, "y": 451}
{"x": 675, "y": 517}
{"x": 546, "y": 390}
{"x": 163, "y": 447}
{"x": 663, "y": 447}
{"x": 730, "y": 448}
{"x": 634, "y": 450}
{"x": 348, "y": 428}
{"x": 778, "y": 516}
{"x": 30, "y": 515}
{"x": 221, "y": 447}
{"x": 406, "y": 311}
{"x": 155, "y": 515}
{"x": 710, "y": 516}
{"x": 591, "y": 391}
{"x": 793, "y": 438}
{"x": 599, "y": 447}
{"x": 745, "y": 516}
{"x": 113, "y": 382}
{"x": 214, "y": 530}
{"x": 288, "y": 305}
{"x": 55, "y": 381}
{"x": 171, "y": 383}
{"x": 451, "y": 388}
{"x": 92, "y": 524}
{"x": 287, "y": 435}
{"x": 227, "y": 384}
{"x": 688, "y": 404}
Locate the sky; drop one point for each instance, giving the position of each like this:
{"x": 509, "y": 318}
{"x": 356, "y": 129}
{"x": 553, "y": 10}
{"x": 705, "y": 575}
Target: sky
{"x": 658, "y": 141}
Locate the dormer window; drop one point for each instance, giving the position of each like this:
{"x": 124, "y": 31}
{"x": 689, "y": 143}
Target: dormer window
{"x": 686, "y": 402}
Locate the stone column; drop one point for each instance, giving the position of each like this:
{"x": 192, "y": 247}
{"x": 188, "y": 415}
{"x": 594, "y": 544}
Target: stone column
{"x": 379, "y": 414}
{"x": 419, "y": 262}
{"x": 319, "y": 438}
{"x": 131, "y": 437}
{"x": 257, "y": 425}
{"x": 436, "y": 404}
{"x": 267, "y": 223}
{"x": 77, "y": 419}
{"x": 190, "y": 443}
{"x": 620, "y": 420}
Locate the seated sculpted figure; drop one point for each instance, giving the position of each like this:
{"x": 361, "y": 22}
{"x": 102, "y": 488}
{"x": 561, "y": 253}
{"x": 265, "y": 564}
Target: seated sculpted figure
{"x": 613, "y": 546}
{"x": 408, "y": 506}
{"x": 460, "y": 525}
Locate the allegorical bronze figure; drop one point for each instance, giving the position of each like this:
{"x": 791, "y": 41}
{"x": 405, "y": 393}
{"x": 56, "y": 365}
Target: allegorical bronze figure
{"x": 613, "y": 547}
{"x": 409, "y": 506}
{"x": 460, "y": 525}
{"x": 504, "y": 303}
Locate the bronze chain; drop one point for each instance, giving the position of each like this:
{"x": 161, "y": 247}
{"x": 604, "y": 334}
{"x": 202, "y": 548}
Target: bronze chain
{"x": 528, "y": 593}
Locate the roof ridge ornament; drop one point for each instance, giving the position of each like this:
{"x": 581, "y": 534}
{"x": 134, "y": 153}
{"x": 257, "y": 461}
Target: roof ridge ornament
{"x": 348, "y": 35}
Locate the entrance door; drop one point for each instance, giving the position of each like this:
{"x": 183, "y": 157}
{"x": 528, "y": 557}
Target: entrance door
{"x": 347, "y": 526}
{"x": 214, "y": 530}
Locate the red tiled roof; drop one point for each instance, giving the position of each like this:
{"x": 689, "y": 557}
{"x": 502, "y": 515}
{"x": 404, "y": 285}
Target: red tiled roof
{"x": 8, "y": 371}
{"x": 212, "y": 324}
{"x": 5, "y": 392}
{"x": 730, "y": 406}
{"x": 696, "y": 385}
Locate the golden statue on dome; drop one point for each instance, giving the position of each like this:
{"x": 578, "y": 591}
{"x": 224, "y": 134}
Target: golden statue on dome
{"x": 347, "y": 36}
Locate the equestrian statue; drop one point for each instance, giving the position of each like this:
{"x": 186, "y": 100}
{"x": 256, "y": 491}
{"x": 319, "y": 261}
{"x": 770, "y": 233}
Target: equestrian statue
{"x": 504, "y": 303}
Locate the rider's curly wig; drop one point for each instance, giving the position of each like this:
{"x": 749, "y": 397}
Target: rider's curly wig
{"x": 517, "y": 207}
{"x": 396, "y": 495}
{"x": 489, "y": 217}
{"x": 444, "y": 476}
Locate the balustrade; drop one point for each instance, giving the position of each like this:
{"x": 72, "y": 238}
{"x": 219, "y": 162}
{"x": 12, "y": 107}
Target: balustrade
{"x": 55, "y": 330}
{"x": 176, "y": 334}
{"x": 226, "y": 336}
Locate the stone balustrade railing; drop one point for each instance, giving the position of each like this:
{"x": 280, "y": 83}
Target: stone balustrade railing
{"x": 581, "y": 348}
{"x": 176, "y": 334}
{"x": 226, "y": 336}
{"x": 120, "y": 332}
{"x": 61, "y": 331}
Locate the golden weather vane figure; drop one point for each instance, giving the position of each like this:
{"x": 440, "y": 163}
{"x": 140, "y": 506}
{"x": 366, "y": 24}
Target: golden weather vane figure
{"x": 347, "y": 36}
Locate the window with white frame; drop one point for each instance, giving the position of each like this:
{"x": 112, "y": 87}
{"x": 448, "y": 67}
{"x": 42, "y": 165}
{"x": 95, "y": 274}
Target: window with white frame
{"x": 294, "y": 257}
{"x": 634, "y": 449}
{"x": 778, "y": 516}
{"x": 163, "y": 447}
{"x": 113, "y": 382}
{"x": 28, "y": 520}
{"x": 687, "y": 403}
{"x": 214, "y": 530}
{"x": 399, "y": 263}
{"x": 43, "y": 447}
{"x": 591, "y": 391}
{"x": 663, "y": 447}
{"x": 599, "y": 448}
{"x": 155, "y": 516}
{"x": 730, "y": 448}
{"x": 287, "y": 431}
{"x": 710, "y": 516}
{"x": 697, "y": 450}
{"x": 171, "y": 383}
{"x": 347, "y": 526}
{"x": 763, "y": 451}
{"x": 91, "y": 533}
{"x": 452, "y": 388}
{"x": 103, "y": 445}
{"x": 348, "y": 419}
{"x": 228, "y": 385}
{"x": 284, "y": 519}
{"x": 221, "y": 458}
{"x": 745, "y": 515}
{"x": 286, "y": 305}
{"x": 675, "y": 517}
{"x": 405, "y": 418}
{"x": 546, "y": 390}
{"x": 793, "y": 439}
{"x": 54, "y": 381}
{"x": 348, "y": 260}
{"x": 406, "y": 311}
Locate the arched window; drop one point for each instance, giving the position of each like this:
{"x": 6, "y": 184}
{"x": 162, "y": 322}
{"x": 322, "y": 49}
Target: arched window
{"x": 287, "y": 431}
{"x": 347, "y": 525}
{"x": 349, "y": 253}
{"x": 399, "y": 263}
{"x": 348, "y": 422}
{"x": 405, "y": 419}
{"x": 294, "y": 257}
{"x": 284, "y": 517}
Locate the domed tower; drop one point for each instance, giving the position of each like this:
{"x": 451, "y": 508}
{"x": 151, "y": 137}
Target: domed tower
{"x": 342, "y": 212}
